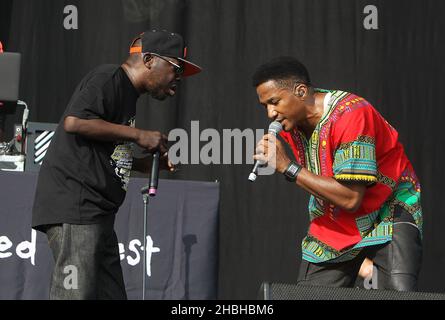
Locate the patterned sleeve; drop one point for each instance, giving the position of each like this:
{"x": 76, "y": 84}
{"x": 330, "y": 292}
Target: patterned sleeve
{"x": 353, "y": 136}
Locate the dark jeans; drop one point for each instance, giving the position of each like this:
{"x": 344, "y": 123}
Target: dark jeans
{"x": 397, "y": 263}
{"x": 87, "y": 264}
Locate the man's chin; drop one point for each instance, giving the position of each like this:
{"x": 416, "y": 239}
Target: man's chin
{"x": 287, "y": 127}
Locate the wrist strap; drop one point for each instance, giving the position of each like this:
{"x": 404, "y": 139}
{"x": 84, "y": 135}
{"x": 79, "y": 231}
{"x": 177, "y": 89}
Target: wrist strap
{"x": 292, "y": 171}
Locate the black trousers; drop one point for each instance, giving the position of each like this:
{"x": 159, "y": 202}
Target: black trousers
{"x": 87, "y": 264}
{"x": 396, "y": 263}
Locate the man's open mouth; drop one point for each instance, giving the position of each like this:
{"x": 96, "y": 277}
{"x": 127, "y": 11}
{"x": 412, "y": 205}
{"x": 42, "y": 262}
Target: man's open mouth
{"x": 172, "y": 89}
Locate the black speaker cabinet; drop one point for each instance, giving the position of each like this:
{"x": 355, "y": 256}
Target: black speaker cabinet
{"x": 38, "y": 139}
{"x": 283, "y": 291}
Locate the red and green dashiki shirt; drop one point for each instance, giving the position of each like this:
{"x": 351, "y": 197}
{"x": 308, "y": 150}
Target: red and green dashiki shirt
{"x": 353, "y": 142}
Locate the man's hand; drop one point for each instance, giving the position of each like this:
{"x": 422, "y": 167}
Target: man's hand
{"x": 166, "y": 164}
{"x": 271, "y": 151}
{"x": 144, "y": 164}
{"x": 152, "y": 141}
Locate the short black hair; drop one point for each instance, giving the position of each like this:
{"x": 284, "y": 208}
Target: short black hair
{"x": 284, "y": 70}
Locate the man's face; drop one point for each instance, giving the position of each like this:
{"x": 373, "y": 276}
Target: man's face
{"x": 163, "y": 80}
{"x": 281, "y": 104}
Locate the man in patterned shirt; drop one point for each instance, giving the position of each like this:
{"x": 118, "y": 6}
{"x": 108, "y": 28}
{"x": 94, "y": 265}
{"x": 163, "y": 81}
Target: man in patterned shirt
{"x": 365, "y": 196}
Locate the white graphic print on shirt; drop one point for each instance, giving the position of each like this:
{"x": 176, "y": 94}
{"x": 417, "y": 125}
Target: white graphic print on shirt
{"x": 122, "y": 159}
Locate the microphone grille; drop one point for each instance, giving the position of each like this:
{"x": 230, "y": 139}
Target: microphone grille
{"x": 275, "y": 128}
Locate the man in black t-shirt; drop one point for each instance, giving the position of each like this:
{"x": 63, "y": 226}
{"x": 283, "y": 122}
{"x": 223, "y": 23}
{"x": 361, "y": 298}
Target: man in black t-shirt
{"x": 84, "y": 177}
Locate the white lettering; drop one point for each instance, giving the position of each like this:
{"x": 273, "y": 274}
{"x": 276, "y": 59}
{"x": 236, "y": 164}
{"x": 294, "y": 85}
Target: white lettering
{"x": 26, "y": 249}
{"x": 71, "y": 280}
{"x": 132, "y": 247}
{"x": 5, "y": 244}
{"x": 371, "y": 20}
{"x": 71, "y": 21}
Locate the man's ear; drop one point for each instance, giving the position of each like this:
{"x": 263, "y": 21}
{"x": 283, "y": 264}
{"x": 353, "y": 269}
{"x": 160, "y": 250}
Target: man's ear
{"x": 299, "y": 90}
{"x": 148, "y": 59}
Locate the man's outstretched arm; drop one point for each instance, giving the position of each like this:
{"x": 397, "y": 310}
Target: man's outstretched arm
{"x": 99, "y": 129}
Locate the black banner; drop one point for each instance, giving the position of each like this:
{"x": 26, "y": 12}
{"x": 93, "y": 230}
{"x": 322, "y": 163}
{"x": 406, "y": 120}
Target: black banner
{"x": 181, "y": 242}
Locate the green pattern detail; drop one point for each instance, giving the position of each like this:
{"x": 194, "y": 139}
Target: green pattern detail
{"x": 363, "y": 139}
{"x": 315, "y": 208}
{"x": 366, "y": 223}
{"x": 357, "y": 157}
{"x": 375, "y": 228}
{"x": 386, "y": 180}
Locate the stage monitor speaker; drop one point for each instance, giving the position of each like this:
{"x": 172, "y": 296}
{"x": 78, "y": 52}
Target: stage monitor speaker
{"x": 38, "y": 138}
{"x": 283, "y": 291}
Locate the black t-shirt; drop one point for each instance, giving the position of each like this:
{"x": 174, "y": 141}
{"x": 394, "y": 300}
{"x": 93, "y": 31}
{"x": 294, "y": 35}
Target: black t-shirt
{"x": 81, "y": 179}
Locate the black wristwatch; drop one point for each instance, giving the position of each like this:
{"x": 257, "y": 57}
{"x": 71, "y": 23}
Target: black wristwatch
{"x": 292, "y": 171}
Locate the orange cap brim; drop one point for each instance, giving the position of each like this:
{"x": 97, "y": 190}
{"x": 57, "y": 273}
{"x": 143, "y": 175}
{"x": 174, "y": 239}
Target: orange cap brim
{"x": 135, "y": 50}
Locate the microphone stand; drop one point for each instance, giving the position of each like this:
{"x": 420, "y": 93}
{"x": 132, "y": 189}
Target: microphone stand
{"x": 149, "y": 191}
{"x": 145, "y": 197}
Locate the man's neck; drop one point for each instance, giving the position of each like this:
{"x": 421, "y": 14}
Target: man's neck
{"x": 314, "y": 112}
{"x": 133, "y": 79}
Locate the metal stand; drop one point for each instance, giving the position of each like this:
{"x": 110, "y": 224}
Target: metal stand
{"x": 149, "y": 191}
{"x": 145, "y": 198}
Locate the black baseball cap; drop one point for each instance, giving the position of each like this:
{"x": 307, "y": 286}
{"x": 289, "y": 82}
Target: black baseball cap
{"x": 167, "y": 44}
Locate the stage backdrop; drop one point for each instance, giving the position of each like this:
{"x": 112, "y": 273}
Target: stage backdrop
{"x": 398, "y": 67}
{"x": 181, "y": 246}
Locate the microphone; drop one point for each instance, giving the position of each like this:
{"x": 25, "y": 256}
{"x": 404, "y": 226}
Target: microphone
{"x": 154, "y": 177}
{"x": 274, "y": 128}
